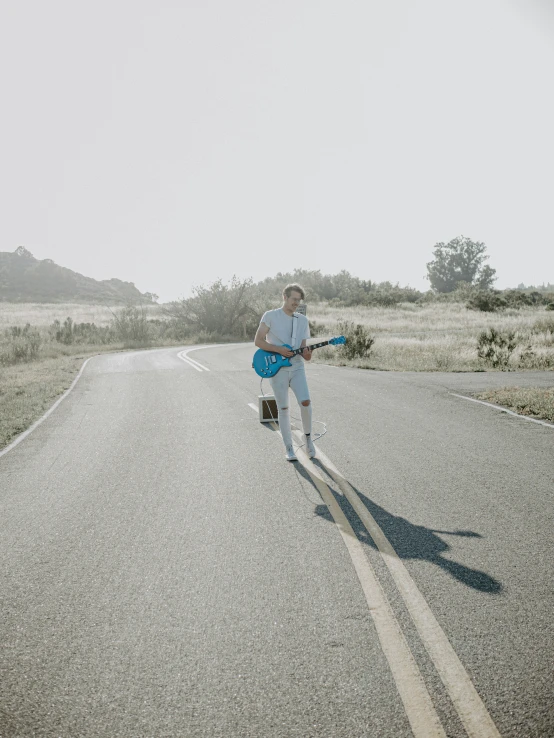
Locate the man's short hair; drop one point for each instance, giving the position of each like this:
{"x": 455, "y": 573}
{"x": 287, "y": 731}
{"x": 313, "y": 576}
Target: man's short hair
{"x": 293, "y": 288}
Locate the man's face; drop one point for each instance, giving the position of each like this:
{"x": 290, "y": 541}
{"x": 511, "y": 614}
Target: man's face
{"x": 293, "y": 301}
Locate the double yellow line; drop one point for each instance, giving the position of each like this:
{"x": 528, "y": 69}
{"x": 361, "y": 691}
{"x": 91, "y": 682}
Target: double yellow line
{"x": 423, "y": 718}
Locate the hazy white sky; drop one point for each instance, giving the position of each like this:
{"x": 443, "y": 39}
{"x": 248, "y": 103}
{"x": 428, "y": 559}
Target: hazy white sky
{"x": 170, "y": 143}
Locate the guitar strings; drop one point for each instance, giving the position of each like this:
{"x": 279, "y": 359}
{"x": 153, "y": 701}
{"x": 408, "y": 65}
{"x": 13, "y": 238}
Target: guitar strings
{"x": 293, "y": 417}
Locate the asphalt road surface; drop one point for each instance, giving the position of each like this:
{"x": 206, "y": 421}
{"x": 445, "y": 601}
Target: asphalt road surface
{"x": 165, "y": 572}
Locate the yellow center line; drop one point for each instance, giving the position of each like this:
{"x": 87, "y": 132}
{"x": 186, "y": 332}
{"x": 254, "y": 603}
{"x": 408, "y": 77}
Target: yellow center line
{"x": 421, "y": 714}
{"x": 465, "y": 698}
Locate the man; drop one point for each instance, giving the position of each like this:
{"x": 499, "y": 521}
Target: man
{"x": 277, "y": 328}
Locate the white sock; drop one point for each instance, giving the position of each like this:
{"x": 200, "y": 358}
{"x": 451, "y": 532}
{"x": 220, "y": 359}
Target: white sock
{"x": 306, "y": 413}
{"x": 284, "y": 426}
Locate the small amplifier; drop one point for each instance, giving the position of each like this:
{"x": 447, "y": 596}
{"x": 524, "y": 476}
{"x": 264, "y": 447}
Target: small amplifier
{"x": 267, "y": 407}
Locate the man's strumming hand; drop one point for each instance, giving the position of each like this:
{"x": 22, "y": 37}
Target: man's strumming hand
{"x": 286, "y": 352}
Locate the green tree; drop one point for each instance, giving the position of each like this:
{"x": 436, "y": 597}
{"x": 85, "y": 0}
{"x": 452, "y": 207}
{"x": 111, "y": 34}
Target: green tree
{"x": 460, "y": 260}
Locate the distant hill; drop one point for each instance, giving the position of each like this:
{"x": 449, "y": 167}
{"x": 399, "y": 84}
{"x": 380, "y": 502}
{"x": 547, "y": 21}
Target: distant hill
{"x": 26, "y": 279}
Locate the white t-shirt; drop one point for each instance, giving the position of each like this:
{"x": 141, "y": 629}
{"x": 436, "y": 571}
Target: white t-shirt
{"x": 281, "y": 328}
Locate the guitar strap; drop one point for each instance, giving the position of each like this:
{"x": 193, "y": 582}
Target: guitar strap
{"x": 294, "y": 327}
{"x": 293, "y": 332}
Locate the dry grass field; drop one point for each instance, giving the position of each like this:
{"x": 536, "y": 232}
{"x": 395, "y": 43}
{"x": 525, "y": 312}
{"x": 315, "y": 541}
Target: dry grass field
{"x": 41, "y": 315}
{"x": 438, "y": 336}
{"x": 409, "y": 337}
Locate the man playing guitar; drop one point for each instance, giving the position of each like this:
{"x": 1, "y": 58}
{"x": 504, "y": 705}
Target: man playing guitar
{"x": 277, "y": 328}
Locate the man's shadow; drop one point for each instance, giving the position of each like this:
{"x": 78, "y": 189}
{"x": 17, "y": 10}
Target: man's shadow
{"x": 408, "y": 540}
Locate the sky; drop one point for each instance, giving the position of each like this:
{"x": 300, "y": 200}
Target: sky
{"x": 171, "y": 143}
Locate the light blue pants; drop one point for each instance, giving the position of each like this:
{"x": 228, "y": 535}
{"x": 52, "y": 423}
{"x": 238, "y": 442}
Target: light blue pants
{"x": 294, "y": 377}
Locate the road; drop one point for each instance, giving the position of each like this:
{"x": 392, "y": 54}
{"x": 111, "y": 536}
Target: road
{"x": 167, "y": 573}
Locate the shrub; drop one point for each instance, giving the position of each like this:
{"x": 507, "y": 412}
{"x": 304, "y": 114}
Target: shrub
{"x": 495, "y": 347}
{"x": 315, "y": 328}
{"x": 518, "y": 298}
{"x": 219, "y": 309}
{"x": 161, "y": 329}
{"x": 537, "y": 298}
{"x": 462, "y": 293}
{"x": 387, "y": 294}
{"x": 486, "y": 301}
{"x": 92, "y": 334}
{"x": 531, "y": 359}
{"x": 81, "y": 333}
{"x": 543, "y": 325}
{"x": 63, "y": 333}
{"x": 550, "y": 306}
{"x": 130, "y": 325}
{"x": 20, "y": 345}
{"x": 177, "y": 330}
{"x": 382, "y": 299}
{"x": 358, "y": 341}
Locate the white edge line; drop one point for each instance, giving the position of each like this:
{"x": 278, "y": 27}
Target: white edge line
{"x": 504, "y": 410}
{"x": 27, "y": 432}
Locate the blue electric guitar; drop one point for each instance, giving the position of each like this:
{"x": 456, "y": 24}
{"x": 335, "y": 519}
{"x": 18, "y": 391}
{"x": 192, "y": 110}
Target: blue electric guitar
{"x": 267, "y": 364}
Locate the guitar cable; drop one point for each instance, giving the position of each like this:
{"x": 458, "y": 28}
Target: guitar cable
{"x": 293, "y": 417}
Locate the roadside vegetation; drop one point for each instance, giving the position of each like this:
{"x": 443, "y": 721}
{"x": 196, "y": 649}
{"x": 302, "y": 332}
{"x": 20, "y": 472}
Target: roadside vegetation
{"x": 461, "y": 324}
{"x": 41, "y": 351}
{"x": 535, "y": 402}
{"x": 28, "y": 390}
{"x": 438, "y": 336}
{"x": 40, "y": 357}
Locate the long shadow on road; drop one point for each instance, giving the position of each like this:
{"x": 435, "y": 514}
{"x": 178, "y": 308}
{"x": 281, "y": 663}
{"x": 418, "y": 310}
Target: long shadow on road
{"x": 410, "y": 541}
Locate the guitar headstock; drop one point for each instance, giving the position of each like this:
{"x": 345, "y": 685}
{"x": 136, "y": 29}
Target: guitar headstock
{"x": 337, "y": 340}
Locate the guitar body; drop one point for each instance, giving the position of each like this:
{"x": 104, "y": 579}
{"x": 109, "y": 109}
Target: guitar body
{"x": 267, "y": 364}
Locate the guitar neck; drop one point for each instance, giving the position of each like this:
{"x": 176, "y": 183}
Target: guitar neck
{"x": 314, "y": 346}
